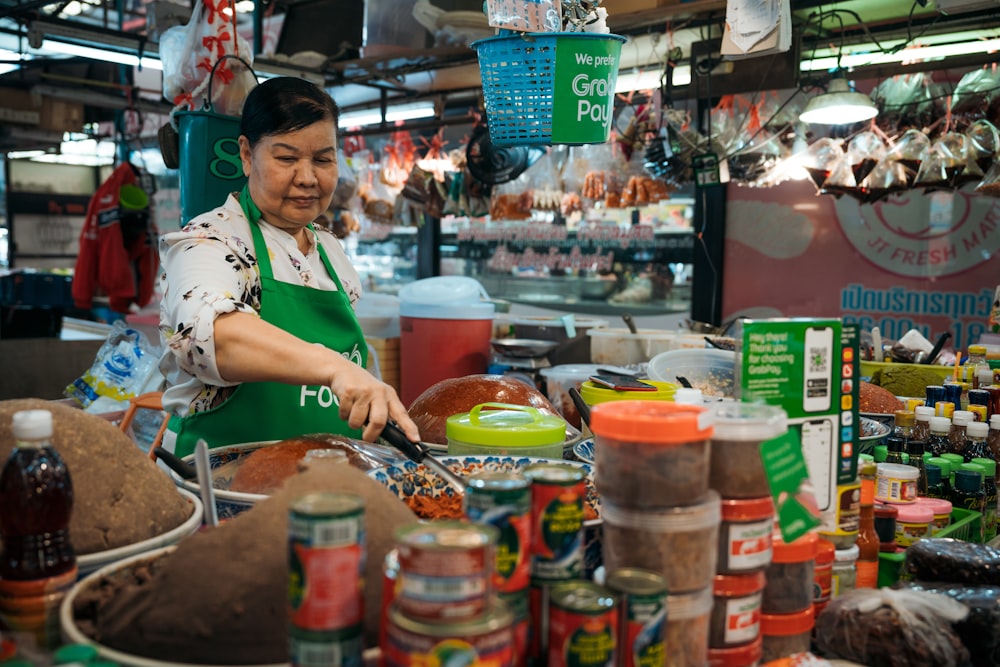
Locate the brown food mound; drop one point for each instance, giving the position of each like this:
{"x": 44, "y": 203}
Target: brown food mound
{"x": 440, "y": 507}
{"x": 431, "y": 409}
{"x": 120, "y": 497}
{"x": 221, "y": 598}
{"x": 876, "y": 400}
{"x": 264, "y": 470}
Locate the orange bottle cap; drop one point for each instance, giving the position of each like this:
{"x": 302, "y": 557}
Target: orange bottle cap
{"x": 784, "y": 625}
{"x": 799, "y": 551}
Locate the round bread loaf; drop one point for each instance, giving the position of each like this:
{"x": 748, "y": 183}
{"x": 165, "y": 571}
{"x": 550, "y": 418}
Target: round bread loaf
{"x": 431, "y": 409}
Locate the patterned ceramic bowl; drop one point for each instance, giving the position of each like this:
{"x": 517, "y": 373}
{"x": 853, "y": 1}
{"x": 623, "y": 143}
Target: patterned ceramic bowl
{"x": 873, "y": 432}
{"x": 408, "y": 479}
{"x": 584, "y": 450}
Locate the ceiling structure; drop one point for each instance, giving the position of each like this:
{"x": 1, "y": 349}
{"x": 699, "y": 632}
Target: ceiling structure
{"x": 447, "y": 75}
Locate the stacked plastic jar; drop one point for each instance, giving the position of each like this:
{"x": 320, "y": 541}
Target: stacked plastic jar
{"x": 652, "y": 466}
{"x": 788, "y": 617}
{"x": 745, "y": 536}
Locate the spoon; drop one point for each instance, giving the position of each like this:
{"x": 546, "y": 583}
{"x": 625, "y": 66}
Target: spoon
{"x": 630, "y": 323}
{"x": 204, "y": 469}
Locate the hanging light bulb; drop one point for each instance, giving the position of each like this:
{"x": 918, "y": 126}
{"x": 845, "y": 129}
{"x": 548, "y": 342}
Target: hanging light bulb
{"x": 839, "y": 105}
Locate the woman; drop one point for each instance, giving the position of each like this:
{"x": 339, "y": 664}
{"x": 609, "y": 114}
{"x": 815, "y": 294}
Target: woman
{"x": 257, "y": 307}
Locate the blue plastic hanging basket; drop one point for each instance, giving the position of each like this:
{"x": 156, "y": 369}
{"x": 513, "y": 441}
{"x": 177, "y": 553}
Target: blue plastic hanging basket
{"x": 549, "y": 88}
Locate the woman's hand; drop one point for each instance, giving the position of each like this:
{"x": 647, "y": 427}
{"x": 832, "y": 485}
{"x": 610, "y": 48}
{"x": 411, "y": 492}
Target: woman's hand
{"x": 367, "y": 402}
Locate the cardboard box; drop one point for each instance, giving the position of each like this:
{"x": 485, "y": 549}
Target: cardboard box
{"x": 386, "y": 351}
{"x": 48, "y": 113}
{"x": 61, "y": 115}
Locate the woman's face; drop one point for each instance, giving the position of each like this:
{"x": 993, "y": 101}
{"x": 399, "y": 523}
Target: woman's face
{"x": 292, "y": 175}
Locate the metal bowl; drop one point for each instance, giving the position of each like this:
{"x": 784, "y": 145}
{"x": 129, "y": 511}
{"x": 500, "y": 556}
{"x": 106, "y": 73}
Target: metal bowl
{"x": 523, "y": 348}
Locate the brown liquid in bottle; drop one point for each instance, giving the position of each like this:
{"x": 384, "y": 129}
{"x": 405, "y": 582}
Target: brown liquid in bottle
{"x": 36, "y": 500}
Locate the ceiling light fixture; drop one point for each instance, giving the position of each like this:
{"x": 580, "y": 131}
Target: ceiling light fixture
{"x": 862, "y": 55}
{"x": 393, "y": 114}
{"x": 839, "y": 105}
{"x": 67, "y": 49}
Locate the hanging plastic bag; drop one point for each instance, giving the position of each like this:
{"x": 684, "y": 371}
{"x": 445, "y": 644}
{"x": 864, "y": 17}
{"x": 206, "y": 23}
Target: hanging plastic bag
{"x": 123, "y": 368}
{"x": 973, "y": 94}
{"x": 820, "y": 159}
{"x": 211, "y": 66}
{"x": 910, "y": 151}
{"x": 864, "y": 152}
{"x": 944, "y": 163}
{"x": 754, "y": 152}
{"x": 983, "y": 147}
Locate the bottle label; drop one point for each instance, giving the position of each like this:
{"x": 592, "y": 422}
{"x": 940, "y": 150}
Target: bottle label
{"x": 867, "y": 574}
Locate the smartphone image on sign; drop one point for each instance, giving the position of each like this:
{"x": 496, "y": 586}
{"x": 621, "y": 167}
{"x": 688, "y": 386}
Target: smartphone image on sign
{"x": 621, "y": 382}
{"x": 817, "y": 385}
{"x": 817, "y": 447}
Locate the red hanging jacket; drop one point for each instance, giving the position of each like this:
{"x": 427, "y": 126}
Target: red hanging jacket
{"x": 126, "y": 274}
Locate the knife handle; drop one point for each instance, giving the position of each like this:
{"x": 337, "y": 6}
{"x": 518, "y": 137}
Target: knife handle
{"x": 414, "y": 451}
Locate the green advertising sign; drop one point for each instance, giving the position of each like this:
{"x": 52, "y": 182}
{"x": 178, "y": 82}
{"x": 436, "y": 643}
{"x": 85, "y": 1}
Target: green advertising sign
{"x": 585, "y": 77}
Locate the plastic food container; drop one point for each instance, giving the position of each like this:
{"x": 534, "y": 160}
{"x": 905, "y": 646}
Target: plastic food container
{"x": 739, "y": 656}
{"x": 913, "y": 523}
{"x": 594, "y": 394}
{"x": 500, "y": 428}
{"x": 942, "y": 513}
{"x": 736, "y": 467}
{"x": 844, "y": 573}
{"x": 823, "y": 572}
{"x": 791, "y": 575}
{"x": 622, "y": 347}
{"x": 679, "y": 542}
{"x": 378, "y": 314}
{"x": 896, "y": 483}
{"x": 735, "y": 610}
{"x": 786, "y": 634}
{"x": 745, "y": 535}
{"x": 651, "y": 454}
{"x": 559, "y": 380}
{"x": 712, "y": 371}
{"x": 688, "y": 618}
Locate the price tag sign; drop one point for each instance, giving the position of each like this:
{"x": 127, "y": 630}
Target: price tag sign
{"x": 788, "y": 477}
{"x": 706, "y": 170}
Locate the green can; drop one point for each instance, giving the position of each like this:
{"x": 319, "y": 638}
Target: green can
{"x": 503, "y": 500}
{"x": 642, "y": 616}
{"x": 338, "y": 648}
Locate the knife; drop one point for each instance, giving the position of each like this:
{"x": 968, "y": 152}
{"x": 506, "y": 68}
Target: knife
{"x": 418, "y": 452}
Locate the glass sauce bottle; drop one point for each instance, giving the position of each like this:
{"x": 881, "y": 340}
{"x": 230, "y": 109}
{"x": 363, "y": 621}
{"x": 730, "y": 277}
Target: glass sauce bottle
{"x": 993, "y": 439}
{"x": 896, "y": 449}
{"x": 968, "y": 492}
{"x": 922, "y": 422}
{"x": 944, "y": 472}
{"x": 975, "y": 442}
{"x": 868, "y": 540}
{"x": 989, "y": 522}
{"x": 904, "y": 421}
{"x": 36, "y": 500}
{"x": 938, "y": 442}
{"x": 957, "y": 437}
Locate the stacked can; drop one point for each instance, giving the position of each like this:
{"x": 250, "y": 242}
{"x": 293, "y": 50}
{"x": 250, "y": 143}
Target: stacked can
{"x": 445, "y": 607}
{"x": 558, "y": 494}
{"x": 746, "y": 536}
{"x": 503, "y": 500}
{"x": 658, "y": 513}
{"x": 325, "y": 580}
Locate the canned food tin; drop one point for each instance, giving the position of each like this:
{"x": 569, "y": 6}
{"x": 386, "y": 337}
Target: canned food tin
{"x": 390, "y": 581}
{"x": 583, "y": 625}
{"x": 326, "y": 558}
{"x": 445, "y": 570}
{"x": 519, "y": 605}
{"x": 642, "y": 615}
{"x": 487, "y": 641}
{"x": 557, "y": 497}
{"x": 503, "y": 500}
{"x": 336, "y": 648}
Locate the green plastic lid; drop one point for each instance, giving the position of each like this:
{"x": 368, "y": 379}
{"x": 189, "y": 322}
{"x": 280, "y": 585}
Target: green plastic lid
{"x": 955, "y": 459}
{"x": 974, "y": 467}
{"x": 942, "y": 463}
{"x": 74, "y": 653}
{"x": 989, "y": 465}
{"x": 502, "y": 424}
{"x": 880, "y": 452}
{"x": 994, "y": 363}
{"x": 866, "y": 457}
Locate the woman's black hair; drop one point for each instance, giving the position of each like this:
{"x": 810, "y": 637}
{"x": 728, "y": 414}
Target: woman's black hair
{"x": 284, "y": 104}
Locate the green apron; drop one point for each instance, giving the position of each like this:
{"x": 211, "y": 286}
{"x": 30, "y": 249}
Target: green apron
{"x": 258, "y": 411}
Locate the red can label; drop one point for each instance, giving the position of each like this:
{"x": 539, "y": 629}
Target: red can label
{"x": 326, "y": 571}
{"x": 643, "y": 636}
{"x": 436, "y": 584}
{"x": 578, "y": 639}
{"x": 557, "y": 517}
{"x": 509, "y": 511}
{"x": 447, "y": 645}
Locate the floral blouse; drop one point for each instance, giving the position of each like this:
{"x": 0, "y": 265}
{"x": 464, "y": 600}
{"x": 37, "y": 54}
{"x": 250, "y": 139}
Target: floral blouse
{"x": 212, "y": 270}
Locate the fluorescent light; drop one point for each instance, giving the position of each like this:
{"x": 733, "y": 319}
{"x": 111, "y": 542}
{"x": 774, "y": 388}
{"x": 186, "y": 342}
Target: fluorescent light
{"x": 24, "y": 155}
{"x": 393, "y": 114}
{"x": 90, "y": 52}
{"x": 650, "y": 79}
{"x": 245, "y": 6}
{"x": 875, "y": 57}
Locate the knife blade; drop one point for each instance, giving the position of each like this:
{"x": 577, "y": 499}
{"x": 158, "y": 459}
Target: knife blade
{"x": 418, "y": 452}
{"x": 204, "y": 469}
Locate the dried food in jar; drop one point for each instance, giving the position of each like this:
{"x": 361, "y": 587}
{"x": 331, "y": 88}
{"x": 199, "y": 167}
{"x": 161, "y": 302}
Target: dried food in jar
{"x": 651, "y": 454}
{"x": 679, "y": 542}
{"x": 688, "y": 618}
{"x": 791, "y": 575}
{"x": 892, "y": 628}
{"x": 786, "y": 634}
{"x": 736, "y": 610}
{"x": 737, "y": 470}
{"x": 745, "y": 535}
